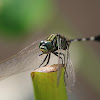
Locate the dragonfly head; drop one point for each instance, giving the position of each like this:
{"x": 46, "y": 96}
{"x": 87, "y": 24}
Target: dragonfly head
{"x": 45, "y": 46}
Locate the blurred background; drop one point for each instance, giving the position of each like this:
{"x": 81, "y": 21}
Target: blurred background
{"x": 24, "y": 21}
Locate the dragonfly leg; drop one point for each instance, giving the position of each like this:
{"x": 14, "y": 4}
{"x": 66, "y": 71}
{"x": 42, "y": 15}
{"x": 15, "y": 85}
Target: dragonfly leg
{"x": 63, "y": 56}
{"x": 56, "y": 53}
{"x": 43, "y": 60}
{"x": 40, "y": 54}
{"x": 48, "y": 60}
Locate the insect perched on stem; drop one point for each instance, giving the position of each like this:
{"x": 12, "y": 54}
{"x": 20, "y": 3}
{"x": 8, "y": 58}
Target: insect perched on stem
{"x": 55, "y": 43}
{"x": 28, "y": 58}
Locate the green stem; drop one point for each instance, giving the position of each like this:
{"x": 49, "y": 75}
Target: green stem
{"x": 45, "y": 84}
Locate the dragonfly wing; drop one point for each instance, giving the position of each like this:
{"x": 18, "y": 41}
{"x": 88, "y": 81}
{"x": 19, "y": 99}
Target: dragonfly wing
{"x": 59, "y": 60}
{"x": 25, "y": 60}
{"x": 69, "y": 72}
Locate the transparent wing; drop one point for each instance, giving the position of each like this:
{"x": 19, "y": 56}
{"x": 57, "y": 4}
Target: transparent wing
{"x": 69, "y": 73}
{"x": 59, "y": 60}
{"x": 25, "y": 60}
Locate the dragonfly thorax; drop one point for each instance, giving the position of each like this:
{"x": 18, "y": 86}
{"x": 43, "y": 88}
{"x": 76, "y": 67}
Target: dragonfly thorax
{"x": 46, "y": 46}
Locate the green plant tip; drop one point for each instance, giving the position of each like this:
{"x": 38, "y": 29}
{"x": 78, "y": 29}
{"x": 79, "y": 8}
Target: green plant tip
{"x": 45, "y": 84}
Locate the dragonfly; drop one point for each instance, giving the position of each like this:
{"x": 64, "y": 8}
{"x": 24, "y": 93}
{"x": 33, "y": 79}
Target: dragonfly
{"x": 28, "y": 58}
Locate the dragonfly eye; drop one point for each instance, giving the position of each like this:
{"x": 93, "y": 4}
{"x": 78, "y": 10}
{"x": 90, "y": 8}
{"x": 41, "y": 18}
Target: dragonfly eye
{"x": 49, "y": 45}
{"x": 41, "y": 43}
{"x": 45, "y": 46}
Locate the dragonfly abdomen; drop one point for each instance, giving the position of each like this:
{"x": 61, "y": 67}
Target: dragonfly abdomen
{"x": 93, "y": 38}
